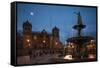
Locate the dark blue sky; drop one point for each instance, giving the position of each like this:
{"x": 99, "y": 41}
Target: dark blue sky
{"x": 48, "y": 16}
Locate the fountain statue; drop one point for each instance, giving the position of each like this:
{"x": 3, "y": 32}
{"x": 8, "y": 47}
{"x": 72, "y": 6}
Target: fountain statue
{"x": 79, "y": 40}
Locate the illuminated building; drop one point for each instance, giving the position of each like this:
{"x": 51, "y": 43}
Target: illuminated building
{"x": 42, "y": 42}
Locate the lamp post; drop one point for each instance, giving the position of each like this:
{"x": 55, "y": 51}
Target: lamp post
{"x": 29, "y": 46}
{"x": 28, "y": 42}
{"x": 44, "y": 42}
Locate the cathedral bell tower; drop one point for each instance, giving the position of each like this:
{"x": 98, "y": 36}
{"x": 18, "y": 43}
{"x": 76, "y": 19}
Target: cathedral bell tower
{"x": 55, "y": 35}
{"x": 27, "y": 34}
{"x": 55, "y": 32}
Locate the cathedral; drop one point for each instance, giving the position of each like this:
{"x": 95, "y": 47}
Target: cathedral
{"x": 41, "y": 42}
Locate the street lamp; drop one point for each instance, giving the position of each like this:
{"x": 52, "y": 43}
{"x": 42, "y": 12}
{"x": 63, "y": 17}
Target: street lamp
{"x": 28, "y": 42}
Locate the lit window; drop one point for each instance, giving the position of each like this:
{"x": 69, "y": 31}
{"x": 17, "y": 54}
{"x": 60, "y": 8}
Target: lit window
{"x": 89, "y": 46}
{"x": 72, "y": 46}
{"x": 35, "y": 37}
{"x": 69, "y": 46}
{"x": 44, "y": 41}
{"x": 28, "y": 40}
{"x": 69, "y": 43}
{"x": 92, "y": 40}
{"x": 56, "y": 43}
{"x": 29, "y": 45}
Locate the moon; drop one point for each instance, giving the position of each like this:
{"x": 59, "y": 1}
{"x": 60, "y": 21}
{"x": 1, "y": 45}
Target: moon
{"x": 31, "y": 13}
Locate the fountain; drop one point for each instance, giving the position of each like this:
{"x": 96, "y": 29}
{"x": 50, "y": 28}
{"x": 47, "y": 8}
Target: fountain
{"x": 79, "y": 40}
